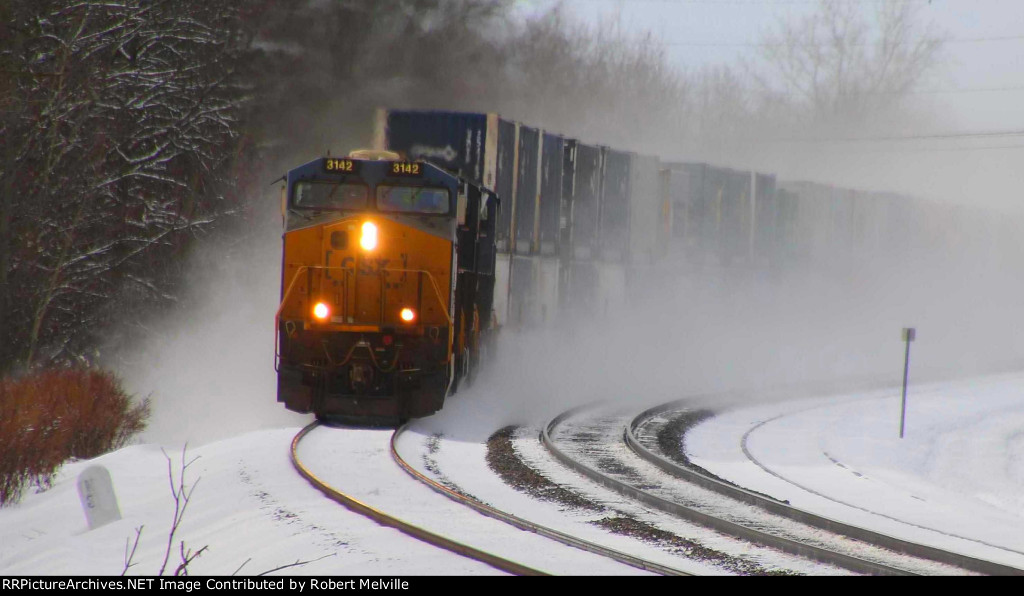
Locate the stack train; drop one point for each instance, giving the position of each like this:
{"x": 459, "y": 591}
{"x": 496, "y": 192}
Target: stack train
{"x": 400, "y": 263}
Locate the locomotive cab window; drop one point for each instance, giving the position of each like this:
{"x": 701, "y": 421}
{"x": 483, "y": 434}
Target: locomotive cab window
{"x": 413, "y": 199}
{"x": 328, "y": 195}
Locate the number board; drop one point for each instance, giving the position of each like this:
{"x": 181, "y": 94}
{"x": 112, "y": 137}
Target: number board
{"x": 405, "y": 168}
{"x": 336, "y": 165}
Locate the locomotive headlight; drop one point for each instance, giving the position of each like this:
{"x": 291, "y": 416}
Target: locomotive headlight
{"x": 368, "y": 240}
{"x": 321, "y": 311}
{"x": 407, "y": 315}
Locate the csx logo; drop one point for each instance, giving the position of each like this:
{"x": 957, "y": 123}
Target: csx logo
{"x": 367, "y": 266}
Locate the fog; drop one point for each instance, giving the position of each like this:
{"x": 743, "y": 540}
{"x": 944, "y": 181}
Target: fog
{"x": 752, "y": 338}
{"x": 208, "y": 364}
{"x": 974, "y": 85}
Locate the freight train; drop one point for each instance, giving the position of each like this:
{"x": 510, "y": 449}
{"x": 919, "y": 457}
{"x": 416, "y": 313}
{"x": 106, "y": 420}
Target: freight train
{"x": 386, "y": 286}
{"x": 400, "y": 263}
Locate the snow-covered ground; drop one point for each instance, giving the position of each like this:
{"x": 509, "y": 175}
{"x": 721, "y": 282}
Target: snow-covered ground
{"x": 954, "y": 481}
{"x": 248, "y": 503}
{"x": 959, "y": 472}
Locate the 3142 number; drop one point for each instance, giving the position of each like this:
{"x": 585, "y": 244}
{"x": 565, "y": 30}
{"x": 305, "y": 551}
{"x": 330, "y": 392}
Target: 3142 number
{"x": 339, "y": 165}
{"x": 402, "y": 168}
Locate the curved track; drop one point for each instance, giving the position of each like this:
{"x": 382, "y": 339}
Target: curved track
{"x": 446, "y": 543}
{"x": 527, "y": 525}
{"x": 905, "y": 546}
{"x": 393, "y": 522}
{"x": 645, "y": 418}
{"x": 693, "y": 502}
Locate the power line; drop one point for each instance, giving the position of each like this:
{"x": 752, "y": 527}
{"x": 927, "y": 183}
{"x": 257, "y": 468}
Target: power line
{"x": 865, "y": 150}
{"x": 751, "y": 2}
{"x": 965, "y": 90}
{"x": 986, "y": 134}
{"x": 947, "y": 91}
{"x": 715, "y": 44}
{"x": 947, "y": 149}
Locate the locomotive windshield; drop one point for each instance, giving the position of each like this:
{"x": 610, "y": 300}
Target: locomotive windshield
{"x": 413, "y": 199}
{"x": 328, "y": 195}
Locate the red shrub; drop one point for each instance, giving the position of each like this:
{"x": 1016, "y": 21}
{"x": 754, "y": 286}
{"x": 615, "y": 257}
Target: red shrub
{"x": 54, "y": 415}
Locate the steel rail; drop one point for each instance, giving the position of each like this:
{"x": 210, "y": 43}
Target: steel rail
{"x": 792, "y": 547}
{"x": 407, "y": 528}
{"x": 527, "y": 525}
{"x": 812, "y": 519}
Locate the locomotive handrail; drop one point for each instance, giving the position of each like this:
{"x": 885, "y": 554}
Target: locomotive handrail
{"x": 346, "y": 271}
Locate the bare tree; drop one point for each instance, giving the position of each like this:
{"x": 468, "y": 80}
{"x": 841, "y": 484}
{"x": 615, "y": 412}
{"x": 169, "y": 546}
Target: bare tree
{"x": 327, "y": 65}
{"x": 124, "y": 123}
{"x": 602, "y": 83}
{"x": 127, "y": 124}
{"x": 837, "y": 65}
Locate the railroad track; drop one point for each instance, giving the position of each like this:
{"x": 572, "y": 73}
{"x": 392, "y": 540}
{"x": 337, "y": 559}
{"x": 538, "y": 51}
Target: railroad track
{"x": 448, "y": 544}
{"x": 640, "y": 436}
{"x": 844, "y": 546}
{"x": 527, "y": 525}
{"x": 392, "y": 521}
{"x": 597, "y": 446}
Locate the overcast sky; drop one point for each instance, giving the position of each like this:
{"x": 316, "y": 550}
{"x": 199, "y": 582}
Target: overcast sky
{"x": 982, "y": 75}
{"x": 979, "y": 85}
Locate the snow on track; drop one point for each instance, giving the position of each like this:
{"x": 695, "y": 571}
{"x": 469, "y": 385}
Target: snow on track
{"x": 391, "y": 490}
{"x": 954, "y": 482}
{"x": 248, "y": 503}
{"x": 463, "y": 464}
{"x": 595, "y": 438}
